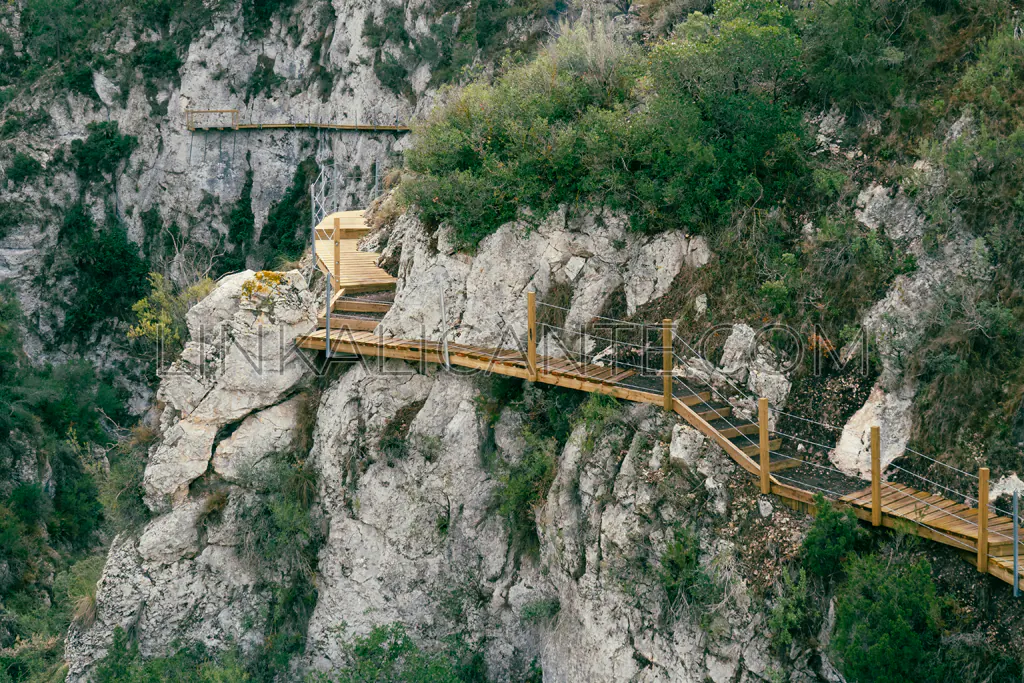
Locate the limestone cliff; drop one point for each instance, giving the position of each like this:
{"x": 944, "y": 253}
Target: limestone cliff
{"x": 414, "y": 537}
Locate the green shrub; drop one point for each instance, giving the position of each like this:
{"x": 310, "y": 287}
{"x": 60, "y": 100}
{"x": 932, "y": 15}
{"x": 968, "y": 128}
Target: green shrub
{"x": 263, "y": 79}
{"x": 17, "y": 121}
{"x": 832, "y": 538}
{"x": 190, "y": 664}
{"x": 29, "y": 504}
{"x": 887, "y": 622}
{"x": 993, "y": 80}
{"x": 78, "y": 78}
{"x": 160, "y": 317}
{"x": 16, "y": 550}
{"x": 523, "y": 488}
{"x": 683, "y": 578}
{"x": 22, "y": 168}
{"x": 794, "y": 615}
{"x": 258, "y": 14}
{"x": 281, "y": 534}
{"x": 854, "y": 51}
{"x": 541, "y": 611}
{"x": 158, "y": 61}
{"x": 387, "y": 653}
{"x": 581, "y": 124}
{"x": 102, "y": 152}
{"x": 109, "y": 274}
{"x": 121, "y": 490}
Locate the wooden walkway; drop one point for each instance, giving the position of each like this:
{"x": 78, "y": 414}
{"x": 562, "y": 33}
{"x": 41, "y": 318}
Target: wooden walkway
{"x": 748, "y": 443}
{"x": 217, "y": 120}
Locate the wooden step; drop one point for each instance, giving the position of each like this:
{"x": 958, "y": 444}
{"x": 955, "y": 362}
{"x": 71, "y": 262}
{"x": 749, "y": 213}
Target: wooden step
{"x": 694, "y": 399}
{"x": 341, "y": 322}
{"x": 736, "y": 427}
{"x": 712, "y": 411}
{"x": 349, "y": 306}
{"x": 754, "y": 448}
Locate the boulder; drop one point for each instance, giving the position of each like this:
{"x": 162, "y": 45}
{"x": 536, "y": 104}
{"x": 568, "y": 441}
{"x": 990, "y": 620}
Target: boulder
{"x": 891, "y": 412}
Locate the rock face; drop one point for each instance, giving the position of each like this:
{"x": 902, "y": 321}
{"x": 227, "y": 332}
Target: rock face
{"x": 183, "y": 579}
{"x": 193, "y": 180}
{"x": 413, "y": 535}
{"x": 890, "y": 412}
{"x": 897, "y": 322}
{"x": 485, "y": 295}
{"x": 240, "y": 359}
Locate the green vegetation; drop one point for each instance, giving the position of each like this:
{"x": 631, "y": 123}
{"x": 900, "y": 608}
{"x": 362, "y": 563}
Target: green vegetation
{"x": 67, "y": 40}
{"x": 102, "y": 152}
{"x": 158, "y": 61}
{"x": 259, "y": 13}
{"x": 568, "y": 127}
{"x": 459, "y": 33}
{"x": 887, "y": 622}
{"x": 541, "y": 611}
{"x": 387, "y": 653}
{"x": 191, "y": 664}
{"x": 686, "y": 582}
{"x": 523, "y": 488}
{"x": 394, "y": 438}
{"x": 17, "y": 121}
{"x": 22, "y": 168}
{"x": 241, "y": 224}
{"x": 160, "y": 316}
{"x": 263, "y": 79}
{"x": 523, "y": 485}
{"x": 54, "y": 415}
{"x": 832, "y": 538}
{"x": 794, "y": 614}
{"x": 281, "y": 543}
{"x": 109, "y": 274}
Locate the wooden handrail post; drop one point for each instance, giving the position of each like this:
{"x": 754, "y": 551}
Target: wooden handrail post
{"x": 876, "y": 478}
{"x": 762, "y": 423}
{"x": 983, "y": 520}
{"x": 531, "y": 334}
{"x": 337, "y": 250}
{"x": 666, "y": 361}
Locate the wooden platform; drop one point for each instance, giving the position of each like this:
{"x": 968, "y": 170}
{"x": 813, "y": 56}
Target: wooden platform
{"x": 357, "y": 271}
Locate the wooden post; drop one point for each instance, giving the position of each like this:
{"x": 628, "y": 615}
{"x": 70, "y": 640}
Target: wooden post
{"x": 876, "y": 478}
{"x": 531, "y": 334}
{"x": 766, "y": 457}
{"x": 983, "y": 520}
{"x": 337, "y": 252}
{"x": 666, "y": 361}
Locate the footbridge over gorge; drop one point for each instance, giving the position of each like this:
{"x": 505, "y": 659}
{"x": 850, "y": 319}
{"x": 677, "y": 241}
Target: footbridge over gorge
{"x": 359, "y": 293}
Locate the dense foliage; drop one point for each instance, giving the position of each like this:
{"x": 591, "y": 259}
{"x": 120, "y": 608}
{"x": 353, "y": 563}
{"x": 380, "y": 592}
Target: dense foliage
{"x": 523, "y": 485}
{"x": 658, "y": 135}
{"x": 54, "y": 414}
{"x": 458, "y": 34}
{"x": 109, "y": 274}
{"x": 831, "y": 539}
{"x": 887, "y": 622}
{"x": 102, "y": 152}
